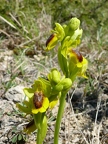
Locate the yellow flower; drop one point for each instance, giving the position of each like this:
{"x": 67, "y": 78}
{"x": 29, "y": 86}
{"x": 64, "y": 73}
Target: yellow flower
{"x": 37, "y": 103}
{"x": 57, "y": 35}
{"x": 40, "y": 103}
{"x": 36, "y": 97}
{"x": 77, "y": 63}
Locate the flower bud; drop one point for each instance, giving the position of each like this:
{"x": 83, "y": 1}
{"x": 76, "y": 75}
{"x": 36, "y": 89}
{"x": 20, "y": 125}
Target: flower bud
{"x": 74, "y": 24}
{"x": 63, "y": 85}
{"x": 58, "y": 87}
{"x": 67, "y": 83}
{"x": 54, "y": 76}
{"x": 77, "y": 64}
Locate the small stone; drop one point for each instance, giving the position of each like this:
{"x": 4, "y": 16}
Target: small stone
{"x": 15, "y": 94}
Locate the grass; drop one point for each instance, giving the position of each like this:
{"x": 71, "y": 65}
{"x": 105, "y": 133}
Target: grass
{"x": 25, "y": 32}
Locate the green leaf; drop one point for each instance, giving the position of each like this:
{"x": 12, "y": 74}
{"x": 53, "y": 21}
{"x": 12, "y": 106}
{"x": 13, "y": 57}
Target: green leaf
{"x": 20, "y": 137}
{"x": 14, "y": 139}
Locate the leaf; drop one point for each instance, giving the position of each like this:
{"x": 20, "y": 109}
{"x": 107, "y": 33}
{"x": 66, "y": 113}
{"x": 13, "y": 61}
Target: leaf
{"x": 14, "y": 139}
{"x": 20, "y": 137}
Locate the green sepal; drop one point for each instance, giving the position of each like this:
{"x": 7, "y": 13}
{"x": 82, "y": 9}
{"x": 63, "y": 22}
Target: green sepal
{"x": 27, "y": 103}
{"x": 76, "y": 37}
{"x": 56, "y": 89}
{"x": 59, "y": 30}
{"x": 63, "y": 85}
{"x": 65, "y": 46}
{"x": 62, "y": 62}
{"x": 23, "y": 108}
{"x": 39, "y": 85}
{"x": 45, "y": 86}
{"x": 55, "y": 97}
{"x": 67, "y": 83}
{"x": 29, "y": 92}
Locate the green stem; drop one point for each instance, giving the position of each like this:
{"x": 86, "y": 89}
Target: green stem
{"x": 59, "y": 117}
{"x": 38, "y": 120}
{"x": 39, "y": 140}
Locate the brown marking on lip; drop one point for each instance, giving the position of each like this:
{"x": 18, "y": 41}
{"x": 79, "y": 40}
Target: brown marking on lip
{"x": 49, "y": 39}
{"x": 38, "y": 99}
{"x": 78, "y": 54}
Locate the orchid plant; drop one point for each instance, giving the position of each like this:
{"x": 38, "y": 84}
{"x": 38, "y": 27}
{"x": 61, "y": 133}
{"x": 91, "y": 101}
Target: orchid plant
{"x": 45, "y": 93}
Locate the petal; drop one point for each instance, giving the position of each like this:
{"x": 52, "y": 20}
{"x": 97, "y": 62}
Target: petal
{"x": 35, "y": 111}
{"x": 27, "y": 103}
{"x": 53, "y": 103}
{"x": 79, "y": 65}
{"x": 85, "y": 61}
{"x": 45, "y": 103}
{"x": 42, "y": 109}
{"x": 85, "y": 65}
{"x": 29, "y": 92}
{"x": 77, "y": 35}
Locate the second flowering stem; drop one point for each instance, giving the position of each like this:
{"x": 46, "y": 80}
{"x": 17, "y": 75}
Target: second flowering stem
{"x": 59, "y": 117}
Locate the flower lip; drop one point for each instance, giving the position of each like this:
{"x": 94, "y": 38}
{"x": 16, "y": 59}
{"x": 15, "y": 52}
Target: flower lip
{"x": 78, "y": 54}
{"x": 49, "y": 39}
{"x": 38, "y": 99}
